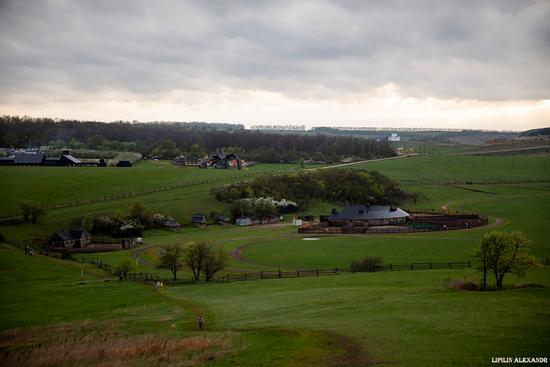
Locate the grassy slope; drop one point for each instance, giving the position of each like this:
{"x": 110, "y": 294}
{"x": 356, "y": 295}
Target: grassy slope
{"x": 45, "y": 292}
{"x": 401, "y": 318}
{"x": 66, "y": 184}
{"x": 443, "y": 167}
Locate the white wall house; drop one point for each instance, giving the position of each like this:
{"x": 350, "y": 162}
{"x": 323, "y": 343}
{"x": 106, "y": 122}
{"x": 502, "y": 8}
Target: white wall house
{"x": 394, "y": 137}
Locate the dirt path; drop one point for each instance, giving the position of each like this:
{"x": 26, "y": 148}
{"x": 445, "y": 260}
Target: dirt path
{"x": 361, "y": 162}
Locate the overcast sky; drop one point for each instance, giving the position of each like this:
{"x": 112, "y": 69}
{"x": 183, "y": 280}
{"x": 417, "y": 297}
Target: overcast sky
{"x": 471, "y": 64}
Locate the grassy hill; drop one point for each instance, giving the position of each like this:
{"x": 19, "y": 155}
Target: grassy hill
{"x": 404, "y": 318}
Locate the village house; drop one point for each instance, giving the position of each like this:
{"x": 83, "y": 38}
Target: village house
{"x": 243, "y": 221}
{"x": 171, "y": 224}
{"x": 75, "y": 238}
{"x": 222, "y": 220}
{"x": 199, "y": 220}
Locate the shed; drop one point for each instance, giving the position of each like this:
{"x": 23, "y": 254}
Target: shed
{"x": 243, "y": 221}
{"x": 124, "y": 164}
{"x": 171, "y": 224}
{"x": 223, "y": 220}
{"x": 199, "y": 220}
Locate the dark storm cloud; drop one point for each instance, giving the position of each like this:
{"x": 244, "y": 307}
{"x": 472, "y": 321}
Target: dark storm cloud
{"x": 462, "y": 49}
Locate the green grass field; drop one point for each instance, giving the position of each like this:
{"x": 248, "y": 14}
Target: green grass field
{"x": 404, "y": 318}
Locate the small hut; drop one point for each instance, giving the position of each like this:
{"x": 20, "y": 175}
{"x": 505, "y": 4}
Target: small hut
{"x": 199, "y": 220}
{"x": 243, "y": 221}
{"x": 171, "y": 224}
{"x": 222, "y": 220}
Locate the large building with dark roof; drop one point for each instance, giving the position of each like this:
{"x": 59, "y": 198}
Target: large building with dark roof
{"x": 29, "y": 159}
{"x": 367, "y": 215}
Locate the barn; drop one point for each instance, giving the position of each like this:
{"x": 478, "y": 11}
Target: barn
{"x": 367, "y": 215}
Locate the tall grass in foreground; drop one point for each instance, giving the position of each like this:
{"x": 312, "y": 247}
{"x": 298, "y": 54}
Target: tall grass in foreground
{"x": 81, "y": 344}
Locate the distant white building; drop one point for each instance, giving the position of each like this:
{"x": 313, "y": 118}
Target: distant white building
{"x": 394, "y": 137}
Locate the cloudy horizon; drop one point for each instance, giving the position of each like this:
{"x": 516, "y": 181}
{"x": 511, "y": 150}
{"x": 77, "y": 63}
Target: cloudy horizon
{"x": 452, "y": 64}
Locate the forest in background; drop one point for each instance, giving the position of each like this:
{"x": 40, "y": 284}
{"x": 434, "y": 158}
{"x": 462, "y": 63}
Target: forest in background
{"x": 169, "y": 140}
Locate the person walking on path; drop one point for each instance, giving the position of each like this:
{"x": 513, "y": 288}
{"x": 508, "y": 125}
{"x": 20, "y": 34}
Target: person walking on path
{"x": 200, "y": 321}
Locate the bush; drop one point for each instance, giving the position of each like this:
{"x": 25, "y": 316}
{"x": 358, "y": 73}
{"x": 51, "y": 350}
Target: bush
{"x": 461, "y": 284}
{"x": 368, "y": 264}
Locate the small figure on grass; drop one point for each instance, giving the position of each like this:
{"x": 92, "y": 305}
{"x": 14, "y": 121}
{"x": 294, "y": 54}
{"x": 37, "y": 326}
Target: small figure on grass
{"x": 158, "y": 285}
{"x": 200, "y": 321}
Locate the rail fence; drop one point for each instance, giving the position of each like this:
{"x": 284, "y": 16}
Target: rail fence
{"x": 473, "y": 182}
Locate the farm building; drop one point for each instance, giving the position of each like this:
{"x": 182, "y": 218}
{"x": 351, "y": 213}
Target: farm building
{"x": 75, "y": 238}
{"x": 367, "y": 215}
{"x": 29, "y": 159}
{"x": 199, "y": 220}
{"x": 171, "y": 224}
{"x": 7, "y": 161}
{"x": 243, "y": 221}
{"x": 223, "y": 220}
{"x": 124, "y": 164}
{"x": 64, "y": 160}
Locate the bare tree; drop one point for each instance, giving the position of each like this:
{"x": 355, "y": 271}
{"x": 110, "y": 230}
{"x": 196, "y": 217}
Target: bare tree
{"x": 172, "y": 258}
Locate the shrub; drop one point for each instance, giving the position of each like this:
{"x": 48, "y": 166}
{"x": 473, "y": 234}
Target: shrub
{"x": 368, "y": 264}
{"x": 462, "y": 284}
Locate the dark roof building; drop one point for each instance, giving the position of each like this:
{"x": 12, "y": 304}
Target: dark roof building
{"x": 6, "y": 161}
{"x": 124, "y": 164}
{"x": 75, "y": 238}
{"x": 375, "y": 214}
{"x": 199, "y": 220}
{"x": 223, "y": 219}
{"x": 29, "y": 159}
{"x": 171, "y": 224}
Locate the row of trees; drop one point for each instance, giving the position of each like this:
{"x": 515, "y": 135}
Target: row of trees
{"x": 168, "y": 140}
{"x": 201, "y": 257}
{"x": 304, "y": 188}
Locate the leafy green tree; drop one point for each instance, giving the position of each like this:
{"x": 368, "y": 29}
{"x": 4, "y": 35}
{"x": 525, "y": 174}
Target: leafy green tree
{"x": 172, "y": 258}
{"x": 502, "y": 253}
{"x": 141, "y": 213}
{"x": 30, "y": 211}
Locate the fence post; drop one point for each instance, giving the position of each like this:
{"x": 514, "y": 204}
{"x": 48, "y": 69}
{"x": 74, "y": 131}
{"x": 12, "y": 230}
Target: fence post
{"x": 430, "y": 264}
{"x": 411, "y": 266}
{"x": 450, "y": 265}
{"x": 245, "y": 275}
{"x": 279, "y": 273}
{"x": 391, "y": 267}
{"x": 298, "y": 273}
{"x": 261, "y": 274}
{"x": 317, "y": 271}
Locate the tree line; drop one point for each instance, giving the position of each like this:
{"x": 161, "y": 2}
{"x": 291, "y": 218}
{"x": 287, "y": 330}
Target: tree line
{"x": 305, "y": 188}
{"x": 168, "y": 140}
